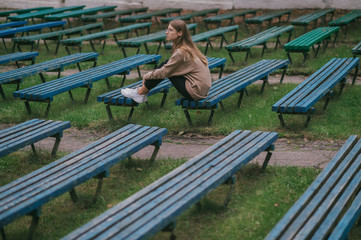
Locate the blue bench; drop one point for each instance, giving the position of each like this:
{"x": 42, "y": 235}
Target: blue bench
{"x": 320, "y": 212}
{"x": 356, "y": 50}
{"x": 261, "y": 38}
{"x": 19, "y": 56}
{"x": 115, "y": 98}
{"x": 157, "y": 206}
{"x": 30, "y": 132}
{"x": 16, "y": 76}
{"x": 54, "y": 36}
{"x": 103, "y": 35}
{"x": 27, "y": 195}
{"x": 12, "y": 24}
{"x": 137, "y": 42}
{"x": 45, "y": 92}
{"x": 11, "y": 33}
{"x": 302, "y": 99}
{"x": 233, "y": 83}
{"x": 208, "y": 35}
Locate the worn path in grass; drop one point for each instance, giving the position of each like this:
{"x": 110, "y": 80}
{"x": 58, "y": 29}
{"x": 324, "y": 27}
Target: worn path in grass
{"x": 287, "y": 153}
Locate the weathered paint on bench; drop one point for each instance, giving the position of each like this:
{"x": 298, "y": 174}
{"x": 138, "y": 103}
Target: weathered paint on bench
{"x": 115, "y": 98}
{"x": 19, "y": 56}
{"x": 192, "y": 15}
{"x": 27, "y": 195}
{"x": 157, "y": 206}
{"x": 231, "y": 84}
{"x": 13, "y": 24}
{"x": 307, "y": 19}
{"x": 217, "y": 19}
{"x": 268, "y": 17}
{"x": 30, "y": 132}
{"x": 344, "y": 21}
{"x": 302, "y": 99}
{"x": 317, "y": 213}
{"x": 113, "y": 14}
{"x": 149, "y": 15}
{"x": 45, "y": 92}
{"x": 21, "y": 11}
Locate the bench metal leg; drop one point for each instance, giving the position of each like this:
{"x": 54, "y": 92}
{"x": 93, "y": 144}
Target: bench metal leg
{"x": 329, "y": 94}
{"x": 110, "y": 115}
{"x": 163, "y": 99}
{"x": 42, "y": 77}
{"x": 268, "y": 157}
{"x": 73, "y": 195}
{"x": 308, "y": 119}
{"x": 222, "y": 106}
{"x": 289, "y": 57}
{"x": 342, "y": 85}
{"x": 170, "y": 228}
{"x": 2, "y": 93}
{"x": 3, "y": 235}
{"x": 154, "y": 155}
{"x": 353, "y": 80}
{"x": 231, "y": 181}
{"x": 107, "y": 83}
{"x": 280, "y": 117}
{"x": 264, "y": 48}
{"x": 124, "y": 77}
{"x": 130, "y": 114}
{"x": 56, "y": 146}
{"x": 188, "y": 117}
{"x": 240, "y": 97}
{"x": 27, "y": 105}
{"x": 33, "y": 149}
{"x": 47, "y": 109}
{"x": 87, "y": 95}
{"x": 220, "y": 72}
{"x": 265, "y": 81}
{"x": 211, "y": 117}
{"x": 230, "y": 55}
{"x": 34, "y": 224}
{"x": 283, "y": 74}
{"x": 139, "y": 74}
{"x": 97, "y": 192}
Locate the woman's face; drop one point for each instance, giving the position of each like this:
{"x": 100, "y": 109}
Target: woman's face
{"x": 172, "y": 34}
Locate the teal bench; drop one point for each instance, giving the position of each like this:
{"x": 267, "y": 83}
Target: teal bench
{"x": 115, "y": 98}
{"x": 331, "y": 204}
{"x": 268, "y": 17}
{"x": 302, "y": 99}
{"x": 157, "y": 206}
{"x": 13, "y": 24}
{"x": 137, "y": 42}
{"x": 304, "y": 43}
{"x": 21, "y": 11}
{"x": 41, "y": 14}
{"x": 217, "y": 19}
{"x": 11, "y": 33}
{"x": 54, "y": 36}
{"x": 208, "y": 35}
{"x": 344, "y": 21}
{"x": 78, "y": 13}
{"x": 45, "y": 92}
{"x": 103, "y": 36}
{"x": 17, "y": 76}
{"x": 149, "y": 15}
{"x": 259, "y": 39}
{"x": 307, "y": 19}
{"x": 26, "y": 195}
{"x": 30, "y": 132}
{"x": 357, "y": 49}
{"x": 19, "y": 56}
{"x": 192, "y": 15}
{"x": 231, "y": 84}
{"x": 112, "y": 15}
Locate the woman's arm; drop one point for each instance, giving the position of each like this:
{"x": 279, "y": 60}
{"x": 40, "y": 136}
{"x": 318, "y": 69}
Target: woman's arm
{"x": 168, "y": 69}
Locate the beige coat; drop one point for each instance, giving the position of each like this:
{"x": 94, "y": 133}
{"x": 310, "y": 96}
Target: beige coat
{"x": 197, "y": 75}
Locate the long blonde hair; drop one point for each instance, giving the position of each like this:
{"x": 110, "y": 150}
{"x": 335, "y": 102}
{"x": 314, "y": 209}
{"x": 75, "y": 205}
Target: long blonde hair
{"x": 185, "y": 43}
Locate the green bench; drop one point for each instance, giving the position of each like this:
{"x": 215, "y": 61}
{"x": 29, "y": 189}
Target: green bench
{"x": 345, "y": 20}
{"x": 304, "y": 43}
{"x": 208, "y": 35}
{"x": 192, "y": 15}
{"x": 78, "y": 13}
{"x": 103, "y": 35}
{"x": 357, "y": 49}
{"x": 149, "y": 15}
{"x": 259, "y": 39}
{"x": 137, "y": 42}
{"x": 55, "y": 36}
{"x": 217, "y": 19}
{"x": 112, "y": 14}
{"x": 331, "y": 205}
{"x": 21, "y": 11}
{"x": 41, "y": 14}
{"x": 307, "y": 19}
{"x": 267, "y": 17}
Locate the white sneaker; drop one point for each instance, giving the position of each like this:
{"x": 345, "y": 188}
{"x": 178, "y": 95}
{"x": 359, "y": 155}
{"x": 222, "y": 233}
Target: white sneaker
{"x": 133, "y": 94}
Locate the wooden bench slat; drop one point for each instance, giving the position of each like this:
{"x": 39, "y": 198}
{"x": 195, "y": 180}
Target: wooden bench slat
{"x": 20, "y": 11}
{"x": 18, "y": 56}
{"x": 113, "y": 14}
{"x": 12, "y": 31}
{"x": 157, "y": 205}
{"x": 343, "y": 161}
{"x": 228, "y": 16}
{"x": 78, "y": 13}
{"x": 191, "y": 15}
{"x": 313, "y": 16}
{"x": 43, "y": 13}
{"x": 149, "y": 15}
{"x": 13, "y": 24}
{"x": 346, "y": 19}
